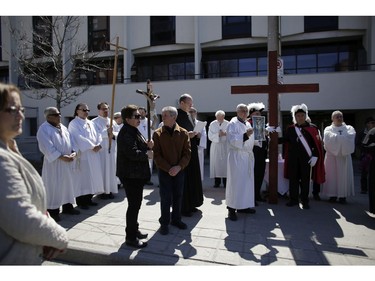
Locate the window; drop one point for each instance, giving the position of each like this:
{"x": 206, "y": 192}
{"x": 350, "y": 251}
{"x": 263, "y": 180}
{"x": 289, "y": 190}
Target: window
{"x": 1, "y": 44}
{"x": 42, "y": 36}
{"x": 321, "y": 23}
{"x": 98, "y": 32}
{"x": 236, "y": 27}
{"x": 163, "y": 30}
{"x": 158, "y": 68}
{"x": 98, "y": 71}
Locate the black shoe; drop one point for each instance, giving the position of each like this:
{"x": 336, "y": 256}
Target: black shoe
{"x": 216, "y": 185}
{"x": 305, "y": 206}
{"x": 91, "y": 203}
{"x": 332, "y": 199}
{"x": 164, "y": 230}
{"x": 179, "y": 224}
{"x": 141, "y": 235}
{"x": 83, "y": 207}
{"x": 71, "y": 212}
{"x": 317, "y": 197}
{"x": 149, "y": 183}
{"x": 111, "y": 196}
{"x": 136, "y": 243}
{"x": 291, "y": 203}
{"x": 247, "y": 211}
{"x": 194, "y": 210}
{"x": 232, "y": 215}
{"x": 342, "y": 200}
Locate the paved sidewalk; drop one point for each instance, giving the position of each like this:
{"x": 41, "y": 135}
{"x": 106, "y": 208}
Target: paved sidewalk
{"x": 327, "y": 234}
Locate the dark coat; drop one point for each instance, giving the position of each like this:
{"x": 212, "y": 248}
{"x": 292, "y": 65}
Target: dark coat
{"x": 132, "y": 160}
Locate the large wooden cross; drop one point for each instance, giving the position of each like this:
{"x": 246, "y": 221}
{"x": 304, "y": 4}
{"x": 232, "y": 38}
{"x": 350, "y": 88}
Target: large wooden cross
{"x": 273, "y": 89}
{"x": 114, "y": 78}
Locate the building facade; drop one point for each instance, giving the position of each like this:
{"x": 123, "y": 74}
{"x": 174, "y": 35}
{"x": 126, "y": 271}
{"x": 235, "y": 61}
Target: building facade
{"x": 200, "y": 55}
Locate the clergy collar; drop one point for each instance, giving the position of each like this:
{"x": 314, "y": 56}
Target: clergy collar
{"x": 242, "y": 121}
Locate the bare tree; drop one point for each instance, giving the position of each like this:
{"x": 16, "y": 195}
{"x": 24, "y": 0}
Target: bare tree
{"x": 52, "y": 61}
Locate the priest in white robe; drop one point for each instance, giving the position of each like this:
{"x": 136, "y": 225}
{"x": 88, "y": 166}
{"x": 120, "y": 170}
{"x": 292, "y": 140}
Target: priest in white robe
{"x": 217, "y": 134}
{"x": 107, "y": 157}
{"x": 55, "y": 143}
{"x": 143, "y": 128}
{"x": 339, "y": 143}
{"x": 239, "y": 193}
{"x": 202, "y": 143}
{"x": 88, "y": 169}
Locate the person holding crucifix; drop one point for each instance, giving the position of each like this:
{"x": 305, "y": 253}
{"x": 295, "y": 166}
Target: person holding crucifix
{"x": 304, "y": 159}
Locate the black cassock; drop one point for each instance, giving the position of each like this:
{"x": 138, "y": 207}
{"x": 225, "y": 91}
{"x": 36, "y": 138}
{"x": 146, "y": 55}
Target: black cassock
{"x": 193, "y": 193}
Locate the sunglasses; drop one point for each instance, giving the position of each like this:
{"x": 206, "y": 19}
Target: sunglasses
{"x": 13, "y": 110}
{"x": 54, "y": 114}
{"x": 84, "y": 110}
{"x": 137, "y": 116}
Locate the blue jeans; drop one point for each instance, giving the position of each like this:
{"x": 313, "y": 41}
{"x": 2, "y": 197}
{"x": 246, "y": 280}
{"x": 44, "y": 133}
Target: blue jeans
{"x": 170, "y": 190}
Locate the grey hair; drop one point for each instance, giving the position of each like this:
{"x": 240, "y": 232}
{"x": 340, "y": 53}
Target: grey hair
{"x": 220, "y": 112}
{"x": 337, "y": 112}
{"x": 49, "y": 110}
{"x": 171, "y": 109}
{"x": 242, "y": 106}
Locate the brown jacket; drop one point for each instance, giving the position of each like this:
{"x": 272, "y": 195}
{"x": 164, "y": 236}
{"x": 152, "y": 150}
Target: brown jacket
{"x": 171, "y": 150}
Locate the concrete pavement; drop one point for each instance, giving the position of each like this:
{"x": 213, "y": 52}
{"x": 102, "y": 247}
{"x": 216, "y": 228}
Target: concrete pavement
{"x": 327, "y": 234}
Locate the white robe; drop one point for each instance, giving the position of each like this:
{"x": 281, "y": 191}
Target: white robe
{"x": 57, "y": 175}
{"x": 239, "y": 193}
{"x": 88, "y": 168}
{"x": 218, "y": 149}
{"x": 338, "y": 161}
{"x": 201, "y": 147}
{"x": 144, "y": 131}
{"x": 107, "y": 160}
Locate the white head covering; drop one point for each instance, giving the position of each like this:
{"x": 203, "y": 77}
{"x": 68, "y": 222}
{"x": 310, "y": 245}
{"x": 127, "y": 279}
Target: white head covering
{"x": 300, "y": 108}
{"x": 255, "y": 106}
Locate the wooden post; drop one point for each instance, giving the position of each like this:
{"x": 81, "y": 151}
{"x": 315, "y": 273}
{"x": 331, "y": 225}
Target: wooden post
{"x": 114, "y": 80}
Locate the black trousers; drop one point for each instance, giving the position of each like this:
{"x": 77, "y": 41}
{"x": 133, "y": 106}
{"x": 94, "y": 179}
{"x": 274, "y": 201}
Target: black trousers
{"x": 299, "y": 177}
{"x": 134, "y": 195}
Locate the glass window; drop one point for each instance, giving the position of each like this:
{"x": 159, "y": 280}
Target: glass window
{"x": 262, "y": 66}
{"x": 306, "y": 63}
{"x": 290, "y": 65}
{"x": 321, "y": 23}
{"x": 236, "y": 27}
{"x": 177, "y": 71}
{"x": 160, "y": 72}
{"x": 247, "y": 67}
{"x": 229, "y": 68}
{"x": 163, "y": 30}
{"x": 98, "y": 33}
{"x": 327, "y": 62}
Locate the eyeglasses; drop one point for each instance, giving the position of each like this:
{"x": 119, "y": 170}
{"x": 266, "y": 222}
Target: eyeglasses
{"x": 137, "y": 116}
{"x": 54, "y": 114}
{"x": 13, "y": 110}
{"x": 84, "y": 110}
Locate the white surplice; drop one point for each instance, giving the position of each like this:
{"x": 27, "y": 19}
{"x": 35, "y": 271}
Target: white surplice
{"x": 57, "y": 175}
{"x": 107, "y": 157}
{"x": 218, "y": 149}
{"x": 88, "y": 168}
{"x": 239, "y": 193}
{"x": 339, "y": 143}
{"x": 201, "y": 147}
{"x": 143, "y": 129}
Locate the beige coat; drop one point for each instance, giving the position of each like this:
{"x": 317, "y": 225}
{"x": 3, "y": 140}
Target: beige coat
{"x": 24, "y": 225}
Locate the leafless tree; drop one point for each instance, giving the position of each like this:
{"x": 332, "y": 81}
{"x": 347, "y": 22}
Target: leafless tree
{"x": 52, "y": 61}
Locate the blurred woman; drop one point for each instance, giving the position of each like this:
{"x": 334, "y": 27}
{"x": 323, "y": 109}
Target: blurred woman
{"x": 27, "y": 232}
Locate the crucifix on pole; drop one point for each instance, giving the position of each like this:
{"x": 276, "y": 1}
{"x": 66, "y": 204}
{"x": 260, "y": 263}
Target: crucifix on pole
{"x": 151, "y": 98}
{"x": 273, "y": 89}
{"x": 114, "y": 78}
